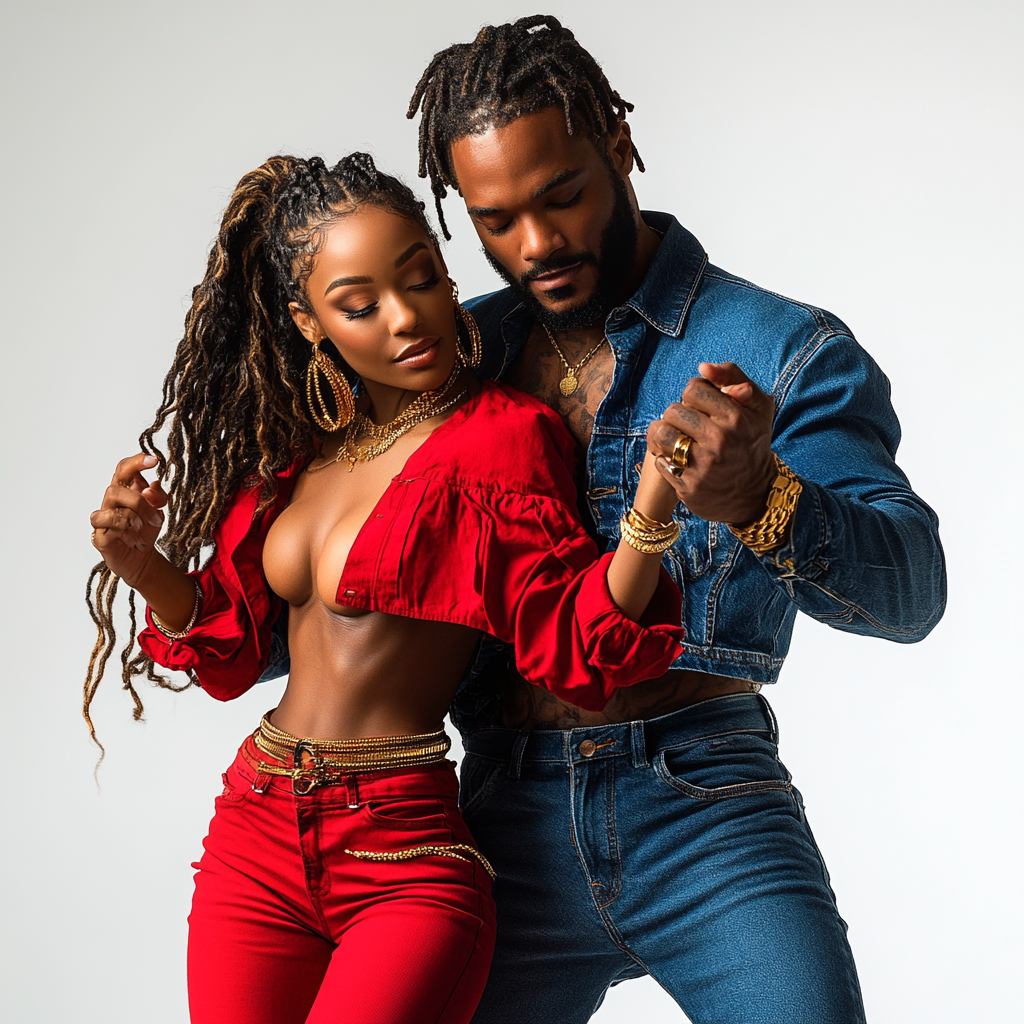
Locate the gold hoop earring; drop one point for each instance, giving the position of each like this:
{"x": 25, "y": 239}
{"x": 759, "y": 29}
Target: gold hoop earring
{"x": 345, "y": 406}
{"x": 476, "y": 349}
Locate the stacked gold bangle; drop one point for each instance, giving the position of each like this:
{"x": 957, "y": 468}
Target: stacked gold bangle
{"x": 769, "y": 531}
{"x": 648, "y": 536}
{"x": 181, "y": 633}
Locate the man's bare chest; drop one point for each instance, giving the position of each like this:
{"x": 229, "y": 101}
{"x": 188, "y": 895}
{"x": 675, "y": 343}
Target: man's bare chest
{"x": 540, "y": 372}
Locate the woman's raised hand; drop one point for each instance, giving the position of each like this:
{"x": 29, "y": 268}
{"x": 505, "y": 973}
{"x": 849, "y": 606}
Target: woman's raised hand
{"x": 127, "y": 524}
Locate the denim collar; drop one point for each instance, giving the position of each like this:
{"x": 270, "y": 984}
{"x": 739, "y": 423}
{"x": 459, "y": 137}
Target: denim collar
{"x": 668, "y": 289}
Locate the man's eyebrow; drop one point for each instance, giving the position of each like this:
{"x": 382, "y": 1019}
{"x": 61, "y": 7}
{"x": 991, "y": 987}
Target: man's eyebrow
{"x": 342, "y": 281}
{"x": 558, "y": 179}
{"x": 409, "y": 253}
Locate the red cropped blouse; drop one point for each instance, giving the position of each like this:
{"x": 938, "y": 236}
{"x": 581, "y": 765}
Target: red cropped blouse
{"x": 480, "y": 528}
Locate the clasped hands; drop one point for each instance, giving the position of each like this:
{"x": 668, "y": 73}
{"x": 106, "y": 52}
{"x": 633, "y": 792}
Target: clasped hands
{"x": 729, "y": 463}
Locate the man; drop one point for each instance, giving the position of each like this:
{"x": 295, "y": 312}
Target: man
{"x": 663, "y": 836}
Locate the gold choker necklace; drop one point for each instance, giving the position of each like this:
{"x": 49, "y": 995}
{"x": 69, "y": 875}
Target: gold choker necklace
{"x": 382, "y": 437}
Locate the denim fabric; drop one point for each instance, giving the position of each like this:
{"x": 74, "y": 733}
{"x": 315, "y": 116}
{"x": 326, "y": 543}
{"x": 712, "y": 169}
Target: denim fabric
{"x": 676, "y": 848}
{"x": 864, "y": 553}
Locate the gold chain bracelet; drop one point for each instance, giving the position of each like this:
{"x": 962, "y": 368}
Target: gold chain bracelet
{"x": 769, "y": 531}
{"x": 181, "y": 633}
{"x": 647, "y": 536}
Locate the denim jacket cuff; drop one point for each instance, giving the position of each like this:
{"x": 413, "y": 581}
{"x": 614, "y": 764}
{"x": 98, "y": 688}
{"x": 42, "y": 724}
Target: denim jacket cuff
{"x": 803, "y": 553}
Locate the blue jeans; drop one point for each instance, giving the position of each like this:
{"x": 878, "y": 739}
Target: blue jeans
{"x": 675, "y": 847}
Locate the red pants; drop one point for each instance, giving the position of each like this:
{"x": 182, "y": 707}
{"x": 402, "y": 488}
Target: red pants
{"x": 288, "y": 928}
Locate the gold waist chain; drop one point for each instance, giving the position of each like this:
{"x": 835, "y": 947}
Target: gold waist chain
{"x": 336, "y": 757}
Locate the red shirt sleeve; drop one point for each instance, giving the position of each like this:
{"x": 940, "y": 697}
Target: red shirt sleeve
{"x": 229, "y": 644}
{"x": 546, "y": 590}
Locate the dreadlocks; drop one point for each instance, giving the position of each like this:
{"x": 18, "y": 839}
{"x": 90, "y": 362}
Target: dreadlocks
{"x": 233, "y": 392}
{"x": 507, "y": 71}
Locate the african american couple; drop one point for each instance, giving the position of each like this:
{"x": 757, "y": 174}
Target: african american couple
{"x": 579, "y": 514}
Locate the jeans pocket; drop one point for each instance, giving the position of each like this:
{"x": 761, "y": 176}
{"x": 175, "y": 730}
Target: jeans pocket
{"x": 413, "y": 813}
{"x": 476, "y": 778}
{"x": 721, "y": 767}
{"x": 236, "y": 786}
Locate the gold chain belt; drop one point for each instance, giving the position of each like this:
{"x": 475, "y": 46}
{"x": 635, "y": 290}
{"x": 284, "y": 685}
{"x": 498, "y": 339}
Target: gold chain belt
{"x": 322, "y": 762}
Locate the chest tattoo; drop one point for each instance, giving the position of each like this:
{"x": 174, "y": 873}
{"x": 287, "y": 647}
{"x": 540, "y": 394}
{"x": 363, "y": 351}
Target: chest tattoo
{"x": 538, "y": 371}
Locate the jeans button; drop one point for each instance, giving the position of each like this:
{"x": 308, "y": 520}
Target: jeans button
{"x": 587, "y": 748}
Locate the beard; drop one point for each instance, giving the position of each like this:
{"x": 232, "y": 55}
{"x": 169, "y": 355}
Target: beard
{"x": 614, "y": 263}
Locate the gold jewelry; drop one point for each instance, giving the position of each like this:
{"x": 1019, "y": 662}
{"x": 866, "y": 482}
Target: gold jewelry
{"x": 570, "y": 382}
{"x": 311, "y": 763}
{"x": 321, "y": 364}
{"x": 648, "y": 536}
{"x": 769, "y": 531}
{"x": 368, "y": 753}
{"x": 476, "y": 348}
{"x": 451, "y": 850}
{"x": 427, "y": 405}
{"x": 181, "y": 633}
{"x": 680, "y": 457}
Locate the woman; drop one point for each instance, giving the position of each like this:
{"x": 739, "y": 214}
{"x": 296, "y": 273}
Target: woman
{"x": 339, "y": 882}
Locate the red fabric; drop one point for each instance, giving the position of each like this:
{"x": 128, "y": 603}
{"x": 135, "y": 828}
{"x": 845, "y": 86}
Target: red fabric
{"x": 480, "y": 528}
{"x": 287, "y": 928}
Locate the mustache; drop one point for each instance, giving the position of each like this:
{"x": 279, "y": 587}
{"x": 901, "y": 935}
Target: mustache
{"x": 542, "y": 267}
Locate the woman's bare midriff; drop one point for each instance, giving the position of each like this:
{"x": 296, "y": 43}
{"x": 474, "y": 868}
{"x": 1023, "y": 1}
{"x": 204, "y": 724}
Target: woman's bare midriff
{"x": 370, "y": 675}
{"x": 354, "y": 673}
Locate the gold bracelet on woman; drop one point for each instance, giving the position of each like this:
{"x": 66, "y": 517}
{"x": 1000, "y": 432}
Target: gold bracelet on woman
{"x": 768, "y": 532}
{"x": 648, "y": 536}
{"x": 181, "y": 633}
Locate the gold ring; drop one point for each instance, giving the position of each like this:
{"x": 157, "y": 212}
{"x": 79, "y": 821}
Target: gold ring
{"x": 680, "y": 457}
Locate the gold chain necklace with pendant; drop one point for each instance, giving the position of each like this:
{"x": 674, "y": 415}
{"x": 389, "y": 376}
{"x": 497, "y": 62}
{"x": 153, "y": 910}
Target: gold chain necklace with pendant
{"x": 382, "y": 437}
{"x": 570, "y": 381}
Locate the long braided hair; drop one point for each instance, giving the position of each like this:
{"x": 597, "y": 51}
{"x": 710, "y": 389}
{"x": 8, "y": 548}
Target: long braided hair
{"x": 233, "y": 394}
{"x": 509, "y": 70}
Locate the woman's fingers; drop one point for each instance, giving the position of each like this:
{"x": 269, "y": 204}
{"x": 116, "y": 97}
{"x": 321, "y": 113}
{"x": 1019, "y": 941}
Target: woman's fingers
{"x": 115, "y": 526}
{"x": 116, "y": 519}
{"x": 155, "y": 494}
{"x": 118, "y": 496}
{"x": 129, "y": 471}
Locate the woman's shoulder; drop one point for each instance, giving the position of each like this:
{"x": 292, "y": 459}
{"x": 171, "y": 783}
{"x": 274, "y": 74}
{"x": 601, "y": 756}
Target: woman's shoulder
{"x": 507, "y": 438}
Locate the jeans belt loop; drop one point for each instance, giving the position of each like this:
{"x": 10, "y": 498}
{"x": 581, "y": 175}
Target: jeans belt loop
{"x": 352, "y": 790}
{"x": 638, "y": 743}
{"x": 515, "y": 762}
{"x": 772, "y": 720}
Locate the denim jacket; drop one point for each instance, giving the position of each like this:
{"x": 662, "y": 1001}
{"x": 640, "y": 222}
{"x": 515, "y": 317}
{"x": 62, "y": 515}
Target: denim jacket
{"x": 863, "y": 554}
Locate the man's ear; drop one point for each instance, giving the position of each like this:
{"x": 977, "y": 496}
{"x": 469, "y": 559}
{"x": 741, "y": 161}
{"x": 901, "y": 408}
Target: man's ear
{"x": 620, "y": 148}
{"x": 307, "y": 325}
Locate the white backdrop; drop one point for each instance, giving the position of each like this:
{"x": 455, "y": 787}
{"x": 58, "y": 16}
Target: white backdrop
{"x": 862, "y": 156}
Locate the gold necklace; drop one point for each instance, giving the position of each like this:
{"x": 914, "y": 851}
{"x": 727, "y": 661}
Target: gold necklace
{"x": 383, "y": 436}
{"x": 570, "y": 382}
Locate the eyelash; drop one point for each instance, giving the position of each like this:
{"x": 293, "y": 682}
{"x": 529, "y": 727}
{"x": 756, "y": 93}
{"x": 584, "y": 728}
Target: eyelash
{"x": 558, "y": 206}
{"x": 569, "y": 202}
{"x": 358, "y": 314}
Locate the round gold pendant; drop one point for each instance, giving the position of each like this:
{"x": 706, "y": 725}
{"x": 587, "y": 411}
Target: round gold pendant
{"x": 568, "y": 384}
